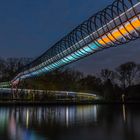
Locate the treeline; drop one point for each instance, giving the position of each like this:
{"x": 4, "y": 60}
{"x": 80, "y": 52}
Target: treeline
{"x": 110, "y": 84}
{"x": 125, "y": 79}
{"x": 9, "y": 67}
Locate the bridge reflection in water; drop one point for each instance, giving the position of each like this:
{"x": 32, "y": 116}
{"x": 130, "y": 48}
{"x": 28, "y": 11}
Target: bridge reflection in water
{"x": 18, "y": 122}
{"x": 70, "y": 123}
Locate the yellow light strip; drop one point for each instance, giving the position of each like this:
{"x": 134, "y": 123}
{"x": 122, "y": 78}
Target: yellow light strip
{"x": 120, "y": 31}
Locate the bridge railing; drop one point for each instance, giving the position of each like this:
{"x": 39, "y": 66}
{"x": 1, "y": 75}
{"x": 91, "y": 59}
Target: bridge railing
{"x": 117, "y": 24}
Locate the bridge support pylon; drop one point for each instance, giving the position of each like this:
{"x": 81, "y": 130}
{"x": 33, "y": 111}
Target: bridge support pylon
{"x": 15, "y": 90}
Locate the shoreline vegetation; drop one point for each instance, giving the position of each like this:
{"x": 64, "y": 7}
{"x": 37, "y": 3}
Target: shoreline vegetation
{"x": 38, "y": 103}
{"x": 111, "y": 85}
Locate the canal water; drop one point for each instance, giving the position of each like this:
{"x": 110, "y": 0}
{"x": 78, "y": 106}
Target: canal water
{"x": 91, "y": 122}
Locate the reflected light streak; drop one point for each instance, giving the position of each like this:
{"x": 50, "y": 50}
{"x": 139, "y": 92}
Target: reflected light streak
{"x": 124, "y": 113}
{"x": 95, "y": 112}
{"x": 27, "y": 118}
{"x": 67, "y": 116}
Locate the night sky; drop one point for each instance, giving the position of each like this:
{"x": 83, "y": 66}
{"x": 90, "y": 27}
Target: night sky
{"x": 30, "y": 27}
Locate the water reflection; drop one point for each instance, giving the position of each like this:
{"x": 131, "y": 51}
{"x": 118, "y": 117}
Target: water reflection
{"x": 20, "y": 120}
{"x": 70, "y": 123}
{"x": 124, "y": 112}
{"x": 16, "y": 132}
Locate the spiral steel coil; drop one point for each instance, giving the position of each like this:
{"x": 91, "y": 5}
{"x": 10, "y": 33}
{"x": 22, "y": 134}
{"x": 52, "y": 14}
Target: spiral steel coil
{"x": 117, "y": 24}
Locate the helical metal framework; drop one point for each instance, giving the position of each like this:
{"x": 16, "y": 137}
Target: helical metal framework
{"x": 115, "y": 25}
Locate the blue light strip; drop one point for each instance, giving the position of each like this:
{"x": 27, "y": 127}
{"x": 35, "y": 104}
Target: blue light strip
{"x": 103, "y": 40}
{"x": 68, "y": 59}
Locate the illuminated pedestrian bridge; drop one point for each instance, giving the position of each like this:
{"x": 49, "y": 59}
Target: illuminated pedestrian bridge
{"x": 115, "y": 25}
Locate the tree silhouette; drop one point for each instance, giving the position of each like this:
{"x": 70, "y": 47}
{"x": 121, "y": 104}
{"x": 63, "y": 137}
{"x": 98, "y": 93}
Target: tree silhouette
{"x": 107, "y": 74}
{"x": 127, "y": 73}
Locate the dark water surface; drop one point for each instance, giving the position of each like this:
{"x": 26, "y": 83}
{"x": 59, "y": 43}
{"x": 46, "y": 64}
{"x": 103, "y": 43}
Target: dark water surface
{"x": 92, "y": 122}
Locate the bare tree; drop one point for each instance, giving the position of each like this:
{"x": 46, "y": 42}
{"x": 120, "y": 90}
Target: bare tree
{"x": 127, "y": 73}
{"x": 2, "y": 68}
{"x": 107, "y": 75}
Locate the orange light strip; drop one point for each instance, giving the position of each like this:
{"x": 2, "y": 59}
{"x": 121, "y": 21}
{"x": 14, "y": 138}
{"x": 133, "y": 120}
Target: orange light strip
{"x": 121, "y": 31}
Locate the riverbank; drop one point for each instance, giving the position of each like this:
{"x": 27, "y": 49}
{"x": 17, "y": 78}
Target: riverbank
{"x": 38, "y": 103}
